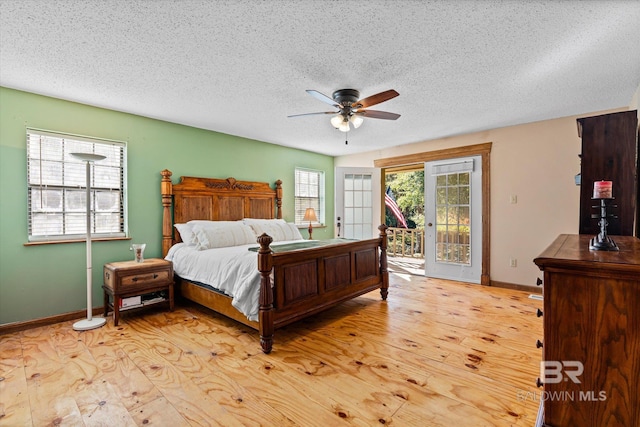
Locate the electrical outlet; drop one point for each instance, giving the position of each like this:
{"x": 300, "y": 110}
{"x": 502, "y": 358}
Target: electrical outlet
{"x": 513, "y": 262}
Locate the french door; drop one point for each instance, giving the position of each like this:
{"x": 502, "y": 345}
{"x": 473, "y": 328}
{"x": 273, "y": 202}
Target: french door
{"x": 453, "y": 219}
{"x": 357, "y": 202}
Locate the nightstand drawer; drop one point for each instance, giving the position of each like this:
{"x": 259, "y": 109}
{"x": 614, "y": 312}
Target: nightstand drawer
{"x": 147, "y": 278}
{"x": 126, "y": 276}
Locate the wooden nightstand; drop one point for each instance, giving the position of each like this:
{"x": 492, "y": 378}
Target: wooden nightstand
{"x": 130, "y": 278}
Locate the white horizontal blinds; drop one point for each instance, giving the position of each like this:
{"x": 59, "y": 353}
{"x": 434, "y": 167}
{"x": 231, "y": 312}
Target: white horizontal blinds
{"x": 464, "y": 166}
{"x": 309, "y": 193}
{"x": 57, "y": 187}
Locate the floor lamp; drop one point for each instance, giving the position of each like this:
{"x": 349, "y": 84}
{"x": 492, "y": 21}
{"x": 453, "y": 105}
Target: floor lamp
{"x": 90, "y": 322}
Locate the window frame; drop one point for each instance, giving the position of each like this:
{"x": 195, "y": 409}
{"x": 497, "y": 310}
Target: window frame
{"x": 299, "y": 212}
{"x": 34, "y": 158}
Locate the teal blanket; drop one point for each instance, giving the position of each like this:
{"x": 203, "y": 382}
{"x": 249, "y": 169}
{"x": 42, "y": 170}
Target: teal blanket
{"x": 304, "y": 244}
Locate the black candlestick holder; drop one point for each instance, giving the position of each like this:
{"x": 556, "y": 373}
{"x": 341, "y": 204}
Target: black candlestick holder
{"x": 602, "y": 242}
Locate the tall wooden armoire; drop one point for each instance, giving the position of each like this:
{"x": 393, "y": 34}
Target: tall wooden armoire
{"x": 609, "y": 152}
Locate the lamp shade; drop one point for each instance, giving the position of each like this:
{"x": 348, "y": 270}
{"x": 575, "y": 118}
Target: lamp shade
{"x": 88, "y": 157}
{"x": 356, "y": 120}
{"x": 340, "y": 122}
{"x": 310, "y": 215}
{"x": 336, "y": 121}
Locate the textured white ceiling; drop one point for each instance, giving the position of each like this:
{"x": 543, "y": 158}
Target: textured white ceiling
{"x": 241, "y": 67}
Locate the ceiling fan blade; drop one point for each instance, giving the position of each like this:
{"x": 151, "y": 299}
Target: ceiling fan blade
{"x": 322, "y": 97}
{"x": 374, "y": 114}
{"x": 313, "y": 114}
{"x": 375, "y": 99}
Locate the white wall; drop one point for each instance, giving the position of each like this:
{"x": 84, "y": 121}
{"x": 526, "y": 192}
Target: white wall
{"x": 536, "y": 162}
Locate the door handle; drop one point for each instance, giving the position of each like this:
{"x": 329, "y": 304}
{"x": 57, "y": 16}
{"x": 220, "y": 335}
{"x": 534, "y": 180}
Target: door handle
{"x": 338, "y": 226}
{"x": 430, "y": 225}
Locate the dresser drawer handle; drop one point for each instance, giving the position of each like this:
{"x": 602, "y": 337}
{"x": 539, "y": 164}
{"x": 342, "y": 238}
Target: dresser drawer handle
{"x": 539, "y": 383}
{"x": 155, "y": 276}
{"x": 539, "y": 313}
{"x": 135, "y": 279}
{"x": 539, "y": 344}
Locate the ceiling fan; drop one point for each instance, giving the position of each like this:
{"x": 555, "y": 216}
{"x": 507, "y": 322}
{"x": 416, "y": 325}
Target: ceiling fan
{"x": 351, "y": 109}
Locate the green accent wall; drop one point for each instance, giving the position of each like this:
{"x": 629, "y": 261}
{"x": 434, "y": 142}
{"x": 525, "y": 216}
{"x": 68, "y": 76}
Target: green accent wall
{"x": 47, "y": 280}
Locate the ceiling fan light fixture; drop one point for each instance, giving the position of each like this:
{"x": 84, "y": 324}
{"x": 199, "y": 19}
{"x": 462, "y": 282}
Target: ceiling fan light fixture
{"x": 356, "y": 120}
{"x": 337, "y": 120}
{"x": 340, "y": 122}
{"x": 343, "y": 126}
{"x": 351, "y": 109}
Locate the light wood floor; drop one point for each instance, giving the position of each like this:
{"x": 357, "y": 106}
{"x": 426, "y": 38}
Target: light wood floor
{"x": 437, "y": 353}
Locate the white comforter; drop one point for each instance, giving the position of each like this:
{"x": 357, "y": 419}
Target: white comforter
{"x": 232, "y": 270}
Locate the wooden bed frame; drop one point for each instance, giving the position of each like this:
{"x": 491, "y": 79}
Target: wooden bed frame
{"x": 305, "y": 282}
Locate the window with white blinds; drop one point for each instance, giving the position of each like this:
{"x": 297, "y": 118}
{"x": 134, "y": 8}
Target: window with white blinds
{"x": 309, "y": 194}
{"x": 57, "y": 187}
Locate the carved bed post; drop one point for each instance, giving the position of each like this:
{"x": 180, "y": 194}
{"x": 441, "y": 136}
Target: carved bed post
{"x": 265, "y": 315}
{"x": 166, "y": 191}
{"x": 384, "y": 288}
{"x": 278, "y": 199}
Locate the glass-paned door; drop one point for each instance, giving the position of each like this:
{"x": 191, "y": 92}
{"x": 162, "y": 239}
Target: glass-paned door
{"x": 453, "y": 217}
{"x": 357, "y": 202}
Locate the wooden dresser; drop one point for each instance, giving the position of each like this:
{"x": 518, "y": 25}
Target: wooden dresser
{"x": 591, "y": 333}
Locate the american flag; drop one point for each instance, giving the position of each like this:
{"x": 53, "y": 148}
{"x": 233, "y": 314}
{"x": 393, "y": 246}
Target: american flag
{"x": 390, "y": 202}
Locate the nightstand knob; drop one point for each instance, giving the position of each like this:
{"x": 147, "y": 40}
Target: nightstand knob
{"x": 538, "y": 281}
{"x": 155, "y": 276}
{"x": 539, "y": 313}
{"x": 539, "y": 344}
{"x": 539, "y": 383}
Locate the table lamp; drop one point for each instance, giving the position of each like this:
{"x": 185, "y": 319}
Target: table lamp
{"x": 310, "y": 215}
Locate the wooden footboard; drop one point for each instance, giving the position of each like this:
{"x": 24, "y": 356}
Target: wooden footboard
{"x": 312, "y": 280}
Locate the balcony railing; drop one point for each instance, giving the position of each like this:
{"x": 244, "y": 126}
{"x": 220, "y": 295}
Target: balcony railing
{"x": 405, "y": 242}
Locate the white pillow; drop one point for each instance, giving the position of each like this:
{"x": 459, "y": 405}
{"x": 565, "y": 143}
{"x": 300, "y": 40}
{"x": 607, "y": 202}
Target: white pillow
{"x": 295, "y": 231}
{"x": 219, "y": 234}
{"x": 186, "y": 229}
{"x": 205, "y": 222}
{"x": 186, "y": 233}
{"x": 251, "y": 221}
{"x": 278, "y": 229}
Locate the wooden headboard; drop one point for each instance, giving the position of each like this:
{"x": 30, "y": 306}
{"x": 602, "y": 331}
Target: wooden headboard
{"x": 214, "y": 200}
